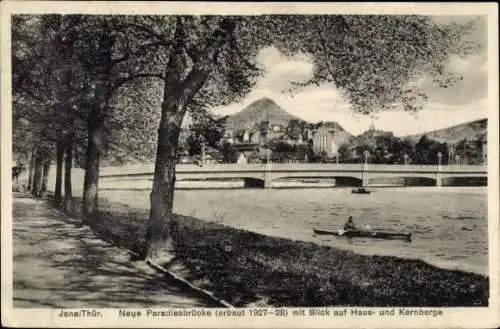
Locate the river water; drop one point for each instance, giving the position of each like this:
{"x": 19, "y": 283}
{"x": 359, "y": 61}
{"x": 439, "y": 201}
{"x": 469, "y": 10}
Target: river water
{"x": 448, "y": 224}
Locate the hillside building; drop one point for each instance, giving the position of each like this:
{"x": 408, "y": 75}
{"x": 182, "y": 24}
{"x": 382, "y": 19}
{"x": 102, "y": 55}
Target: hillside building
{"x": 483, "y": 139}
{"x": 324, "y": 141}
{"x": 227, "y": 137}
{"x": 275, "y": 131}
{"x": 293, "y": 139}
{"x": 242, "y": 136}
{"x": 242, "y": 159}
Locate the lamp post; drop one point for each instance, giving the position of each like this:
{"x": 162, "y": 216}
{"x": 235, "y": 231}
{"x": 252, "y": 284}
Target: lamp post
{"x": 439, "y": 155}
{"x": 367, "y": 154}
{"x": 202, "y": 143}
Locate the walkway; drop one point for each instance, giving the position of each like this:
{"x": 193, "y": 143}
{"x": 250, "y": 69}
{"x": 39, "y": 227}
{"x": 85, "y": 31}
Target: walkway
{"x": 58, "y": 264}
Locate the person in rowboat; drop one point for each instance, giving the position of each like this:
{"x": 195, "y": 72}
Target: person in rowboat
{"x": 349, "y": 225}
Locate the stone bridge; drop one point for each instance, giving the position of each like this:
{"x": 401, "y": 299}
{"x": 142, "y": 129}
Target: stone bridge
{"x": 262, "y": 175}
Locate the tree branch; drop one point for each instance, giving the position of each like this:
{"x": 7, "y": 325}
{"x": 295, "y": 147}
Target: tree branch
{"x": 123, "y": 58}
{"x": 132, "y": 77}
{"x": 31, "y": 94}
{"x": 193, "y": 53}
{"x": 204, "y": 65}
{"x": 161, "y": 38}
{"x": 234, "y": 46}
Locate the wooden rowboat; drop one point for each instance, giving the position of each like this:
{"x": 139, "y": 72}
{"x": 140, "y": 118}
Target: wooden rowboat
{"x": 366, "y": 234}
{"x": 360, "y": 191}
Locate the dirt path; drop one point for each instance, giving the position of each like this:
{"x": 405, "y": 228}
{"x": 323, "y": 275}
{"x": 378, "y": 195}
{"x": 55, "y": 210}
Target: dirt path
{"x": 58, "y": 264}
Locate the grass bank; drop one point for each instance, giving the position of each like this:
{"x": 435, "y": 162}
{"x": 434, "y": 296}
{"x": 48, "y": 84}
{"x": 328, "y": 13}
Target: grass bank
{"x": 246, "y": 268}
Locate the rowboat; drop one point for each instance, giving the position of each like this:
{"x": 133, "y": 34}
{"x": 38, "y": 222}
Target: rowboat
{"x": 360, "y": 191}
{"x": 366, "y": 234}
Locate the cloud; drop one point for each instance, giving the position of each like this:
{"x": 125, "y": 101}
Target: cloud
{"x": 269, "y": 56}
{"x": 448, "y": 19}
{"x": 435, "y": 116}
{"x": 284, "y": 73}
{"x": 281, "y": 70}
{"x": 473, "y": 68}
{"x": 472, "y": 87}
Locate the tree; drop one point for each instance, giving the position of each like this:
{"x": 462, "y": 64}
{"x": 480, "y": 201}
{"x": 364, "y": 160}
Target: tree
{"x": 113, "y": 51}
{"x": 204, "y": 51}
{"x": 39, "y": 93}
{"x": 469, "y": 151}
{"x": 208, "y": 126}
{"x": 426, "y": 151}
{"x": 303, "y": 151}
{"x": 63, "y": 67}
{"x": 229, "y": 153}
{"x": 131, "y": 124}
{"x": 344, "y": 153}
{"x": 47, "y": 85}
{"x": 376, "y": 60}
{"x": 422, "y": 150}
{"x": 400, "y": 148}
{"x": 193, "y": 145}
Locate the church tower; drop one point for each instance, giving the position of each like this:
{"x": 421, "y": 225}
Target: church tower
{"x": 372, "y": 126}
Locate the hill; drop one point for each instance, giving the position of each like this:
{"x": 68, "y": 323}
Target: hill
{"x": 264, "y": 109}
{"x": 470, "y": 130}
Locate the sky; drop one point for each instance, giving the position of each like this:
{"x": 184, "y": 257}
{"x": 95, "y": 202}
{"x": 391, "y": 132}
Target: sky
{"x": 465, "y": 101}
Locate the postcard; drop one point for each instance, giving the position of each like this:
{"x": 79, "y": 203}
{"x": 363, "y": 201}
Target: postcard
{"x": 249, "y": 165}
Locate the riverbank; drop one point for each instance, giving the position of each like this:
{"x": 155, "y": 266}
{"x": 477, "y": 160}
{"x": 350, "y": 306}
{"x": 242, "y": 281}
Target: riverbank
{"x": 246, "y": 268}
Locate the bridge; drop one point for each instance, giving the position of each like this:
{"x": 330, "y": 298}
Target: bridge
{"x": 262, "y": 175}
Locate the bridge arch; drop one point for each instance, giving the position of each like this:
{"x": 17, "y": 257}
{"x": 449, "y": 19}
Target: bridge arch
{"x": 402, "y": 180}
{"x": 314, "y": 174}
{"x": 248, "y": 182}
{"x": 464, "y": 181}
{"x": 337, "y": 180}
{"x": 254, "y": 182}
{"x": 214, "y": 175}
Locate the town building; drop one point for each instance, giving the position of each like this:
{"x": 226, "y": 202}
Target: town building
{"x": 227, "y": 137}
{"x": 241, "y": 136}
{"x": 483, "y": 139}
{"x": 293, "y": 139}
{"x": 275, "y": 131}
{"x": 324, "y": 141}
{"x": 242, "y": 159}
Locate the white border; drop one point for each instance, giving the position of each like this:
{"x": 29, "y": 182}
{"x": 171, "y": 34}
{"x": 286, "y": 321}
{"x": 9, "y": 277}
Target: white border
{"x": 454, "y": 317}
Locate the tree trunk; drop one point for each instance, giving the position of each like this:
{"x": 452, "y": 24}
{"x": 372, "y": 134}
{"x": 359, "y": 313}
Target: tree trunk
{"x": 45, "y": 177}
{"x": 162, "y": 195}
{"x": 91, "y": 182}
{"x": 37, "y": 175}
{"x": 105, "y": 89}
{"x": 59, "y": 173}
{"x": 32, "y": 169}
{"x": 179, "y": 91}
{"x": 68, "y": 164}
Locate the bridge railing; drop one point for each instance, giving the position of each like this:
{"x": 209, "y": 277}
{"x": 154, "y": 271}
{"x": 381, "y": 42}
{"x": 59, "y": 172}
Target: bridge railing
{"x": 226, "y": 167}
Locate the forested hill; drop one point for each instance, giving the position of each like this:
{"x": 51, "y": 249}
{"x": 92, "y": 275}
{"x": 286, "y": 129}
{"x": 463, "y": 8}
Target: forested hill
{"x": 470, "y": 130}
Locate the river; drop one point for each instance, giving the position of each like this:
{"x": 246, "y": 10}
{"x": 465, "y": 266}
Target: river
{"x": 448, "y": 224}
